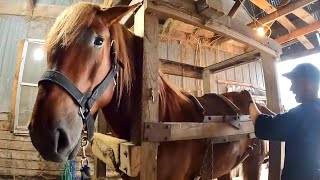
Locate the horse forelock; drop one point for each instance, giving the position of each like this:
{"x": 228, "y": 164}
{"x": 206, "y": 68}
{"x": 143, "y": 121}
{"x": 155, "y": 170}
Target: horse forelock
{"x": 69, "y": 25}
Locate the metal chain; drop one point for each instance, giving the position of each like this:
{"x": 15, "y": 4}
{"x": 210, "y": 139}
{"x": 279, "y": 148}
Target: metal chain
{"x": 211, "y": 142}
{"x": 84, "y": 145}
{"x": 203, "y": 168}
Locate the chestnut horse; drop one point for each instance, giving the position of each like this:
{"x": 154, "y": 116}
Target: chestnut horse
{"x": 78, "y": 47}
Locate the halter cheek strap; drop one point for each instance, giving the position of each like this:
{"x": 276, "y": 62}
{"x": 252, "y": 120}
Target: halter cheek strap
{"x": 85, "y": 100}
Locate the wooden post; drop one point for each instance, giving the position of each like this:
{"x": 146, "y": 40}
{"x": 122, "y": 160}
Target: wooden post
{"x": 100, "y": 172}
{"x": 273, "y": 103}
{"x": 206, "y": 81}
{"x": 146, "y": 26}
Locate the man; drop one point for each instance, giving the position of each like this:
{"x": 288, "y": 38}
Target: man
{"x": 299, "y": 128}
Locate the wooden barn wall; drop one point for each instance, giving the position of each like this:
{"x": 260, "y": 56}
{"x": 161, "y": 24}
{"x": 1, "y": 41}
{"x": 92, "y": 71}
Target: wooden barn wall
{"x": 250, "y": 73}
{"x": 203, "y": 56}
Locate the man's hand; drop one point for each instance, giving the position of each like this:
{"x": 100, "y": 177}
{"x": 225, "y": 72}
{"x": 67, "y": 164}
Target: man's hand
{"x": 254, "y": 112}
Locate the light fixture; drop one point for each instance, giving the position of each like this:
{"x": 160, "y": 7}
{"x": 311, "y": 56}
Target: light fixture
{"x": 260, "y": 31}
{"x": 38, "y": 54}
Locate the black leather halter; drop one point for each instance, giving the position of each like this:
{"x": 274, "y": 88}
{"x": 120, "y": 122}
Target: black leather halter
{"x": 85, "y": 100}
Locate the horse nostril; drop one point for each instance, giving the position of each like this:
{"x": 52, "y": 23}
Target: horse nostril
{"x": 63, "y": 141}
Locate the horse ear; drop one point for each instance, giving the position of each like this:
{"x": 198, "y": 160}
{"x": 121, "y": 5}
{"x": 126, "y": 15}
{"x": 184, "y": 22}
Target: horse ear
{"x": 115, "y": 14}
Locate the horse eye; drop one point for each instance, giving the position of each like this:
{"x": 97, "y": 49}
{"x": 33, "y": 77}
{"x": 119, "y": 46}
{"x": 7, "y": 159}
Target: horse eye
{"x": 98, "y": 41}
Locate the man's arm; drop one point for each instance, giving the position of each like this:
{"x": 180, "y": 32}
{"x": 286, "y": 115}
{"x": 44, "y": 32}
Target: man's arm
{"x": 270, "y": 127}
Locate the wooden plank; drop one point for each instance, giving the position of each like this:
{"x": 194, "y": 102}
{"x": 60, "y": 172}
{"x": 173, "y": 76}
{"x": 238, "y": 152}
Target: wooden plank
{"x": 180, "y": 69}
{"x": 15, "y": 83}
{"x": 273, "y": 103}
{"x": 246, "y": 75}
{"x": 101, "y": 167}
{"x": 163, "y": 50}
{"x": 234, "y": 61}
{"x": 206, "y": 82}
{"x": 300, "y": 54}
{"x": 259, "y": 73}
{"x": 107, "y": 3}
{"x": 7, "y": 135}
{"x": 235, "y": 8}
{"x": 5, "y": 125}
{"x": 233, "y": 29}
{"x": 230, "y": 74}
{"x": 16, "y": 145}
{"x": 30, "y": 165}
{"x": 4, "y": 116}
{"x": 283, "y": 11}
{"x": 299, "y": 32}
{"x": 174, "y": 51}
{"x": 27, "y": 155}
{"x": 291, "y": 27}
{"x": 27, "y": 172}
{"x": 222, "y": 88}
{"x": 253, "y": 74}
{"x": 264, "y": 5}
{"x": 239, "y": 74}
{"x": 214, "y": 82}
{"x": 130, "y": 159}
{"x": 146, "y": 26}
{"x": 10, "y": 8}
{"x": 47, "y": 11}
{"x": 176, "y": 131}
{"x": 304, "y": 15}
{"x": 20, "y": 155}
{"x": 240, "y": 84}
{"x": 268, "y": 8}
{"x": 21, "y": 9}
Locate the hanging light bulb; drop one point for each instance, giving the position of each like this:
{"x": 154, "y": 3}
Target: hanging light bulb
{"x": 260, "y": 31}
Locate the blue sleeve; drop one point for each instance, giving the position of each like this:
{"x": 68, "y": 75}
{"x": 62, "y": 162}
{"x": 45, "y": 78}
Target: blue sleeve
{"x": 276, "y": 128}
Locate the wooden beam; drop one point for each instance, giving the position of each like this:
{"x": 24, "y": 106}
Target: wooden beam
{"x": 283, "y": 11}
{"x": 240, "y": 84}
{"x": 30, "y": 7}
{"x": 299, "y": 32}
{"x": 146, "y": 26}
{"x": 180, "y": 69}
{"x": 300, "y": 54}
{"x": 232, "y": 29}
{"x": 268, "y": 8}
{"x": 234, "y": 61}
{"x": 40, "y": 10}
{"x": 264, "y": 5}
{"x": 176, "y": 131}
{"x": 304, "y": 15}
{"x": 273, "y": 103}
{"x": 235, "y": 8}
{"x": 291, "y": 27}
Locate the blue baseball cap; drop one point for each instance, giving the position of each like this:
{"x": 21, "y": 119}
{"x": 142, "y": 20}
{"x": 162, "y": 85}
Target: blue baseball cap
{"x": 304, "y": 70}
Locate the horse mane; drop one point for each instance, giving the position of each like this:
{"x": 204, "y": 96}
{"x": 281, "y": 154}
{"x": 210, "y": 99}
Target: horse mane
{"x": 121, "y": 35}
{"x": 172, "y": 99}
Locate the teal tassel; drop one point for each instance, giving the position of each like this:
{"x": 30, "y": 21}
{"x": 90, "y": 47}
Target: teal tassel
{"x": 69, "y": 171}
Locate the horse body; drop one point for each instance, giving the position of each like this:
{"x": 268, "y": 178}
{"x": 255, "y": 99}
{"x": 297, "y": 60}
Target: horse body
{"x": 56, "y": 133}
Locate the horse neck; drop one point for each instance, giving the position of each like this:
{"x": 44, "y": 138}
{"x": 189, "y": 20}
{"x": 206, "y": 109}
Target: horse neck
{"x": 125, "y": 116}
{"x": 121, "y": 115}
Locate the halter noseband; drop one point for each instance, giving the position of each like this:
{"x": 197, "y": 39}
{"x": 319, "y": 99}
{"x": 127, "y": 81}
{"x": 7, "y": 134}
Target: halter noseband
{"x": 85, "y": 100}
